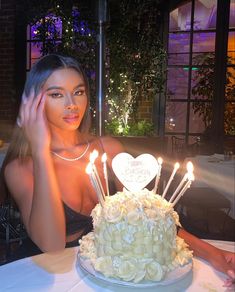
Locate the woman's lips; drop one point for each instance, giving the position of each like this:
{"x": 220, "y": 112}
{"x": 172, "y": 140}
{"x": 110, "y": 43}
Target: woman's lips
{"x": 71, "y": 118}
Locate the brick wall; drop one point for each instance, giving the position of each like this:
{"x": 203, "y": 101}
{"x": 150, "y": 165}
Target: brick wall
{"x": 7, "y": 68}
{"x": 145, "y": 110}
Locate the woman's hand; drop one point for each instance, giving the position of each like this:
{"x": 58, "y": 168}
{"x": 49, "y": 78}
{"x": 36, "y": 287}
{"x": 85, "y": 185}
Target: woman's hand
{"x": 224, "y": 261}
{"x": 33, "y": 121}
{"x": 221, "y": 260}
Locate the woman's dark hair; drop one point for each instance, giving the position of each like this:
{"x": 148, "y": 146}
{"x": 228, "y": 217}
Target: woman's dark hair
{"x": 38, "y": 75}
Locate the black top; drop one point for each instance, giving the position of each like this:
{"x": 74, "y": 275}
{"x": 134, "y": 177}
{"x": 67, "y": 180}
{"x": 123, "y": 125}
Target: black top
{"x": 76, "y": 221}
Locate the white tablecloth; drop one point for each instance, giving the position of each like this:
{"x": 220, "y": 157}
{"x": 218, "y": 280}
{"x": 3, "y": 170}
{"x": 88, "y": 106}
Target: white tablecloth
{"x": 216, "y": 173}
{"x": 60, "y": 272}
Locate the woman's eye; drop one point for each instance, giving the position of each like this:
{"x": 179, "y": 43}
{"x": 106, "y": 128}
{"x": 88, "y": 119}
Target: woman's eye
{"x": 56, "y": 95}
{"x": 79, "y": 92}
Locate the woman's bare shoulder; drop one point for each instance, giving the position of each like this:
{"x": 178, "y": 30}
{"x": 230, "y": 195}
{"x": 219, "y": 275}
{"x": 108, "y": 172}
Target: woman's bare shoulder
{"x": 15, "y": 166}
{"x": 111, "y": 145}
{"x": 18, "y": 176}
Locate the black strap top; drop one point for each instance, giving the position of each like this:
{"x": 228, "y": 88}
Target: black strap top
{"x": 76, "y": 221}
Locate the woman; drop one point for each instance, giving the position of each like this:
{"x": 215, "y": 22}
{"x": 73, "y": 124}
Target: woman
{"x": 44, "y": 169}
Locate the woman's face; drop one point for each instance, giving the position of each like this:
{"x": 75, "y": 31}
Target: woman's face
{"x": 66, "y": 98}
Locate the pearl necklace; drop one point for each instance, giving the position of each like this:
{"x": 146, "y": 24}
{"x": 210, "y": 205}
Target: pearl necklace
{"x": 72, "y": 159}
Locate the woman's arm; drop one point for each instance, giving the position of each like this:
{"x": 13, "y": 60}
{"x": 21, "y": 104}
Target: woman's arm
{"x": 38, "y": 198}
{"x": 35, "y": 189}
{"x": 221, "y": 260}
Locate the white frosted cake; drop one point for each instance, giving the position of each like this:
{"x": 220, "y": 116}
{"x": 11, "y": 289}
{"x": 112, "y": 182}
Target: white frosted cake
{"x": 135, "y": 237}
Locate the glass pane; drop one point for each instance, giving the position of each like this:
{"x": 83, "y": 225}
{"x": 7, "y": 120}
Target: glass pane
{"x": 178, "y": 42}
{"x": 200, "y": 116}
{"x": 230, "y": 85}
{"x": 204, "y": 42}
{"x": 177, "y": 83}
{"x": 175, "y": 120}
{"x": 202, "y": 83}
{"x": 231, "y": 47}
{"x": 34, "y": 30}
{"x": 35, "y": 52}
{"x": 229, "y": 118}
{"x": 178, "y": 48}
{"x": 205, "y": 14}
{"x": 232, "y": 14}
{"x": 178, "y": 59}
{"x": 203, "y": 59}
{"x": 180, "y": 18}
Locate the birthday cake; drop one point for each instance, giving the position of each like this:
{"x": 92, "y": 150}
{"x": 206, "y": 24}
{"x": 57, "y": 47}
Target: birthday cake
{"x": 135, "y": 237}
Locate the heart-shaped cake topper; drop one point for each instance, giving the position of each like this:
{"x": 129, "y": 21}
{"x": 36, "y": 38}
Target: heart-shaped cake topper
{"x": 135, "y": 173}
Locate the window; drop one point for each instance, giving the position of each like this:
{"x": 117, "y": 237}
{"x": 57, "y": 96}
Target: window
{"x": 191, "y": 46}
{"x": 60, "y": 32}
{"x": 229, "y": 113}
{"x": 45, "y": 32}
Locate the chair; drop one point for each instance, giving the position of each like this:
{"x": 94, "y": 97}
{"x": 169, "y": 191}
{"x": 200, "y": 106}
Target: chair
{"x": 194, "y": 148}
{"x": 11, "y": 227}
{"x": 178, "y": 147}
{"x": 205, "y": 211}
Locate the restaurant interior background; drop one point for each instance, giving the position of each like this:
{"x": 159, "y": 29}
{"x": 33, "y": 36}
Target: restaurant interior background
{"x": 182, "y": 100}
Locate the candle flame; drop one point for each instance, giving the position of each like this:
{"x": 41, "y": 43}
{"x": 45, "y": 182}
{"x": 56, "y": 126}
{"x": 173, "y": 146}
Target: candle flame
{"x": 190, "y": 167}
{"x": 104, "y": 157}
{"x": 95, "y": 153}
{"x": 177, "y": 165}
{"x": 89, "y": 168}
{"x": 160, "y": 160}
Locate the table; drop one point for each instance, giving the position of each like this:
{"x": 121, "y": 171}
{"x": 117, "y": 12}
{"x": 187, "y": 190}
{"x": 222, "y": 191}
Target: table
{"x": 214, "y": 172}
{"x": 59, "y": 272}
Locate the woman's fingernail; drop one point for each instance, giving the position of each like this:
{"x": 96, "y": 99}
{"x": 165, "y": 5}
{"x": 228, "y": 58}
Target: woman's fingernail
{"x": 231, "y": 274}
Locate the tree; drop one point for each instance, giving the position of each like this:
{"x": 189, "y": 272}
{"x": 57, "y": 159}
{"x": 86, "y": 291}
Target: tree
{"x": 204, "y": 90}
{"x": 136, "y": 59}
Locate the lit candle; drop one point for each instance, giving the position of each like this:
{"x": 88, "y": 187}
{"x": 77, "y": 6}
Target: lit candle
{"x": 176, "y": 167}
{"x": 184, "y": 179}
{"x": 94, "y": 183}
{"x": 160, "y": 161}
{"x": 104, "y": 161}
{"x": 93, "y": 157}
{"x": 187, "y": 185}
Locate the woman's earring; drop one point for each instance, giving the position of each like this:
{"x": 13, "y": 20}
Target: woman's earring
{"x": 18, "y": 122}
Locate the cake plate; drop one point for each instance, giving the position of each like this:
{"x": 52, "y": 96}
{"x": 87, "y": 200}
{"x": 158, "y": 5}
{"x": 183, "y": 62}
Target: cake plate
{"x": 171, "y": 277}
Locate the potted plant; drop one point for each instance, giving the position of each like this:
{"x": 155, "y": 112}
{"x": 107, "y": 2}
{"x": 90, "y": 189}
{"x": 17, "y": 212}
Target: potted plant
{"x": 135, "y": 65}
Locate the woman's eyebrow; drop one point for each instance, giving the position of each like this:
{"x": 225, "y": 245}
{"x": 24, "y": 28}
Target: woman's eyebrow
{"x": 61, "y": 88}
{"x": 54, "y": 87}
{"x": 79, "y": 85}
